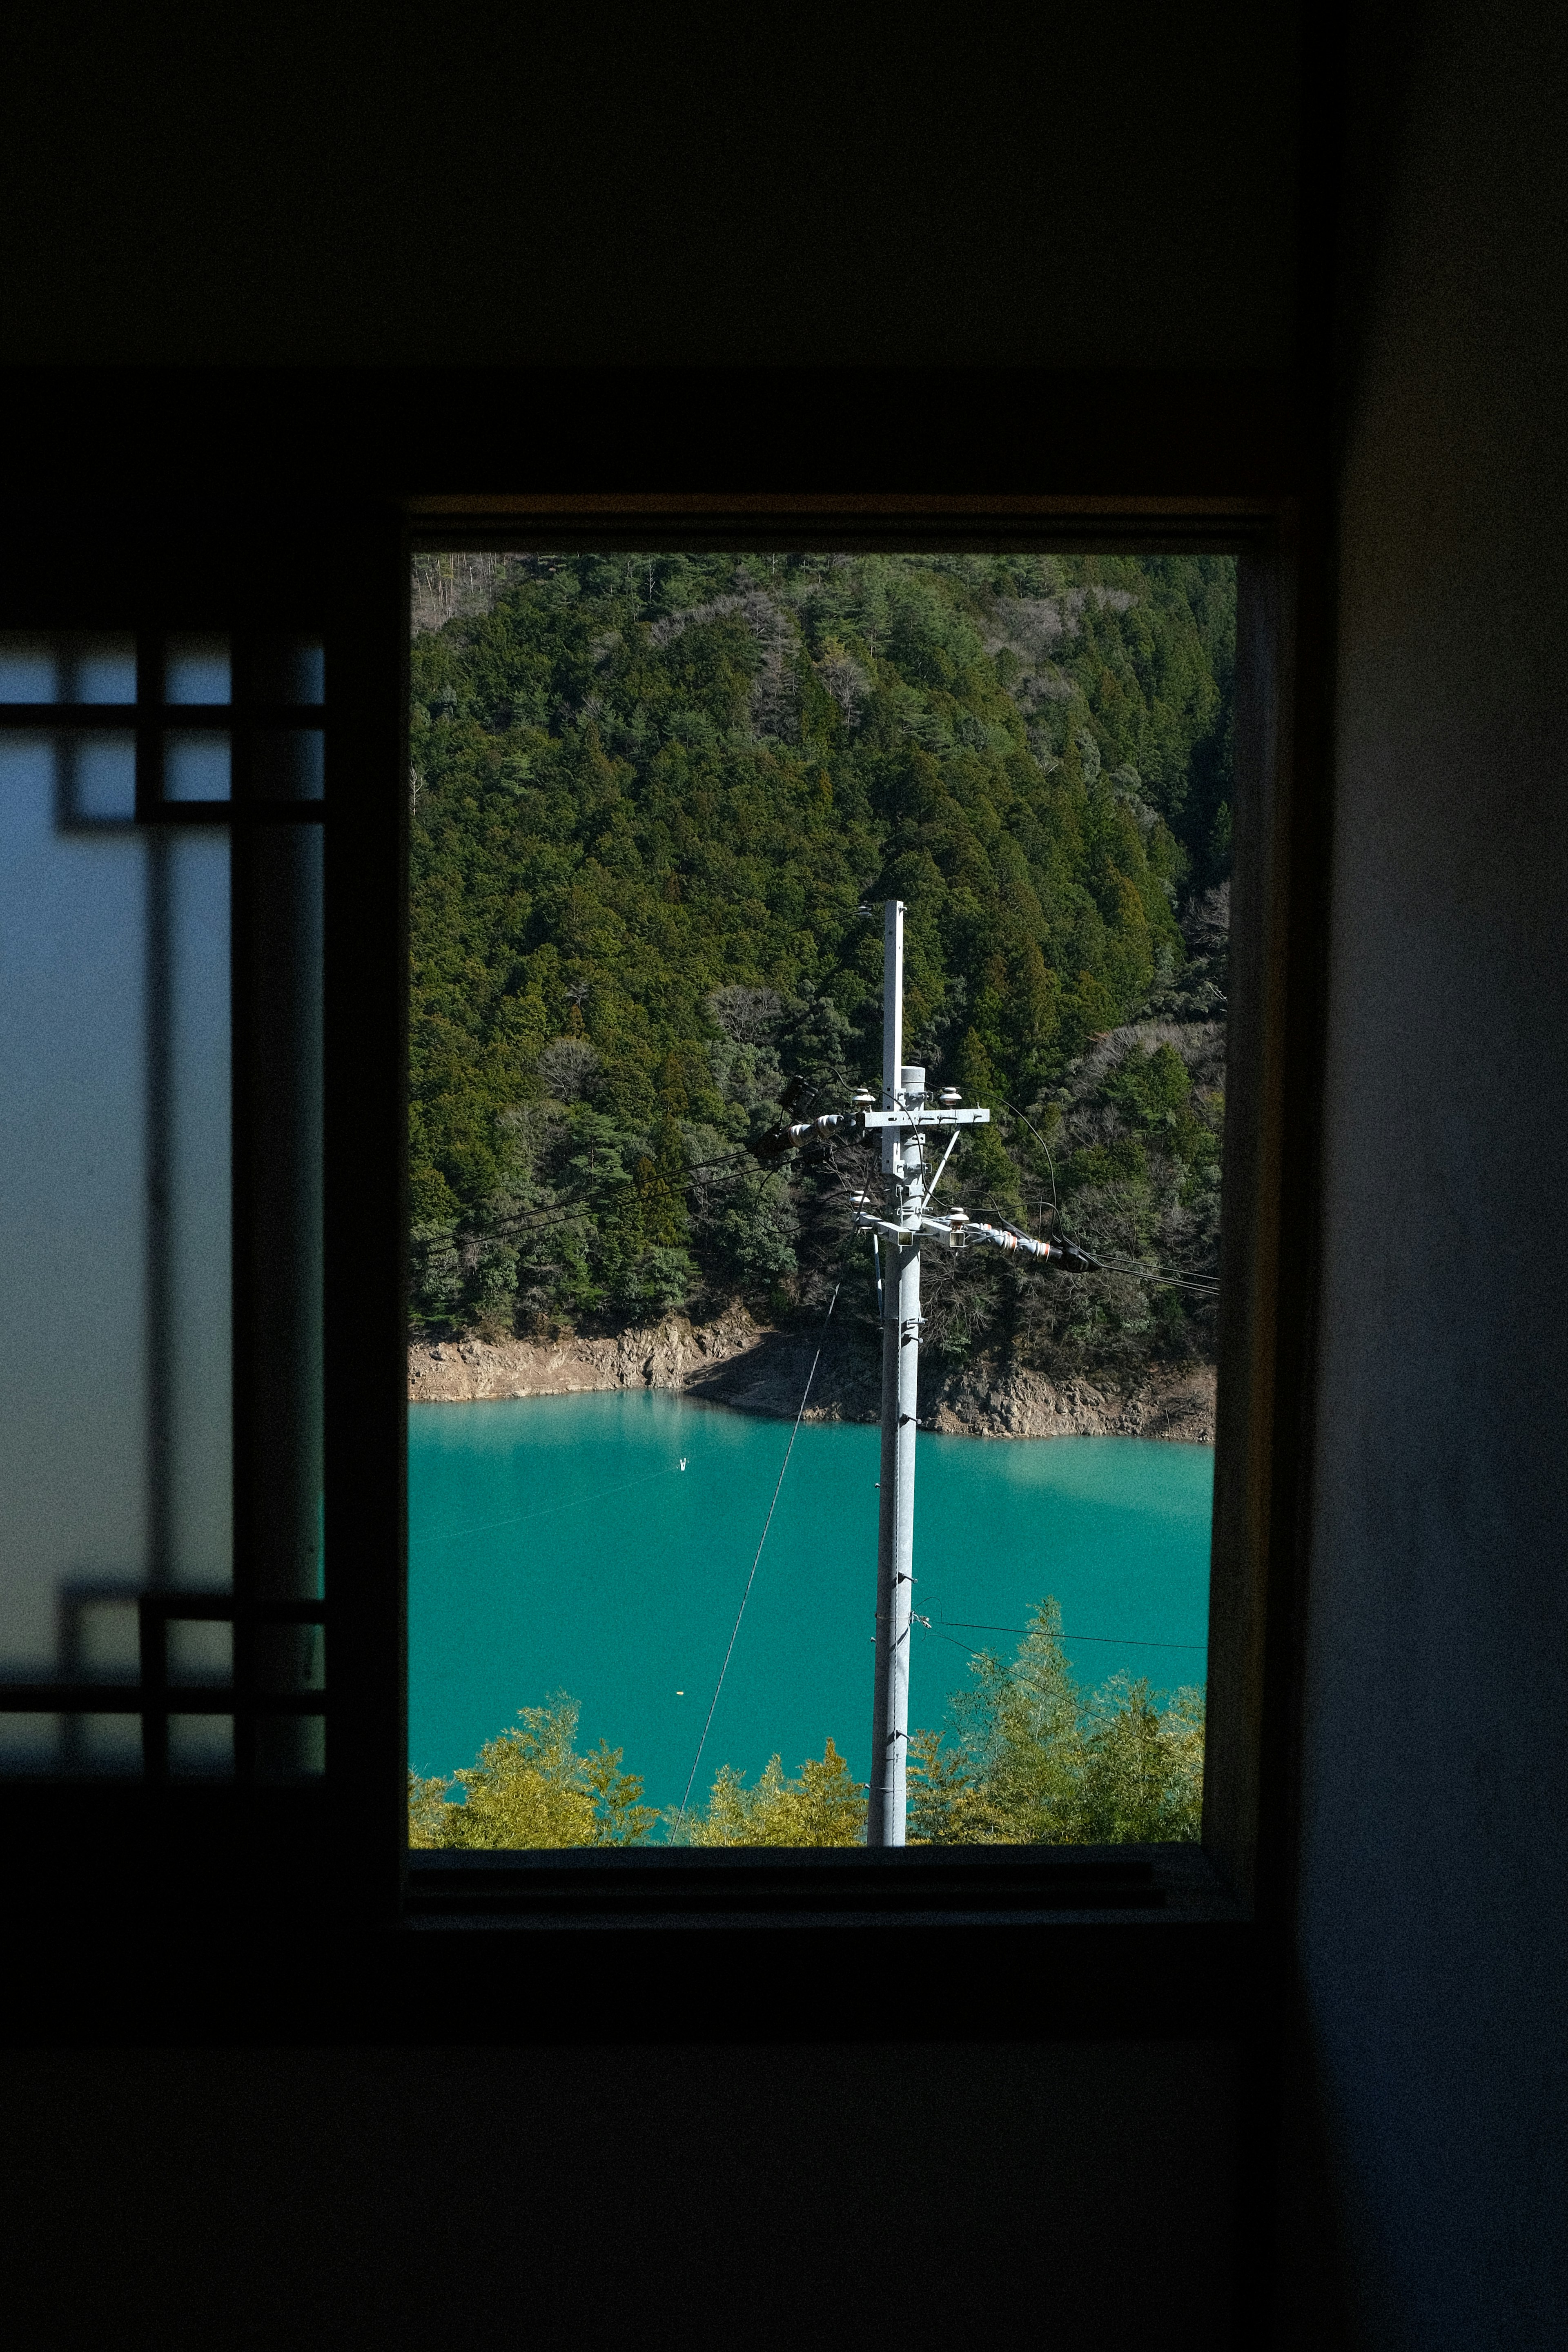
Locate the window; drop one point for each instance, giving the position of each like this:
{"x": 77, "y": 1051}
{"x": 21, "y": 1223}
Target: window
{"x": 161, "y": 1579}
{"x": 159, "y": 813}
{"x": 651, "y": 794}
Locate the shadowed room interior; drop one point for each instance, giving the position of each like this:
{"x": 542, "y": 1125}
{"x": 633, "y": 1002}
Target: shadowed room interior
{"x": 269, "y": 256}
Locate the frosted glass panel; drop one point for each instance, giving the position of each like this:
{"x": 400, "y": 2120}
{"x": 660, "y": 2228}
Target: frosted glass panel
{"x": 114, "y": 1233}
{"x": 30, "y": 1743}
{"x": 201, "y": 1745}
{"x": 68, "y": 669}
{"x": 29, "y": 670}
{"x": 289, "y": 669}
{"x": 99, "y": 1637}
{"x": 291, "y": 765}
{"x": 100, "y": 1743}
{"x": 195, "y": 768}
{"x": 284, "y": 876}
{"x": 198, "y": 1534}
{"x": 73, "y": 1177}
{"x": 100, "y": 669}
{"x": 196, "y": 669}
{"x": 100, "y": 777}
{"x": 201, "y": 1650}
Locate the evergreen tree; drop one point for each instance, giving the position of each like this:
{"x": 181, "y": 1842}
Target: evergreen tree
{"x": 651, "y": 794}
{"x": 529, "y": 1787}
{"x": 823, "y": 1806}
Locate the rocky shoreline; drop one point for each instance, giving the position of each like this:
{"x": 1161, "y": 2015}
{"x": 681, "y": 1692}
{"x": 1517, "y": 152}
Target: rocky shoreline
{"x": 735, "y": 1362}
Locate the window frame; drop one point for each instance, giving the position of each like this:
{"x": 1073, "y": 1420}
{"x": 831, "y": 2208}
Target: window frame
{"x": 1262, "y": 533}
{"x": 152, "y": 580}
{"x": 331, "y": 1860}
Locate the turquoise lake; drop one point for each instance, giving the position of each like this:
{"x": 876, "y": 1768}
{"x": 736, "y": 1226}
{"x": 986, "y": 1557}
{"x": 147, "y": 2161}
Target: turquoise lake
{"x": 555, "y": 1543}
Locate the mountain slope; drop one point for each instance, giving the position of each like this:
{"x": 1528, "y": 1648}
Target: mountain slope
{"x": 652, "y": 794}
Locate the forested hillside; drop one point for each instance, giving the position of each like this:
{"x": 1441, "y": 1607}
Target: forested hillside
{"x": 651, "y": 795}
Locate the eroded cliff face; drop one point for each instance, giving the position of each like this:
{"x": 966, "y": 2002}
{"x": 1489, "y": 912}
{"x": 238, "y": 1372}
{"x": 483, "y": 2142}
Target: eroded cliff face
{"x": 733, "y": 1361}
{"x": 674, "y": 1354}
{"x": 1166, "y": 1402}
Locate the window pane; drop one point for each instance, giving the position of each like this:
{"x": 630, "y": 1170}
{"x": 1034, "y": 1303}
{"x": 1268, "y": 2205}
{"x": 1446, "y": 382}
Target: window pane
{"x": 284, "y": 875}
{"x": 196, "y": 669}
{"x": 99, "y": 777}
{"x": 197, "y": 768}
{"x": 289, "y": 765}
{"x": 30, "y": 1743}
{"x": 201, "y": 1747}
{"x": 100, "y": 1635}
{"x": 658, "y": 804}
{"x": 197, "y": 1174}
{"x": 109, "y": 1743}
{"x": 68, "y": 669}
{"x": 101, "y": 670}
{"x": 29, "y": 670}
{"x": 289, "y": 669}
{"x": 114, "y": 1229}
{"x": 282, "y": 881}
{"x": 200, "y": 1650}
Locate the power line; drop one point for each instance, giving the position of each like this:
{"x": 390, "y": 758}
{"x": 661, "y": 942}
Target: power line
{"x": 977, "y": 1626}
{"x": 1161, "y": 1280}
{"x": 954, "y": 1644}
{"x": 491, "y": 1526}
{"x": 1155, "y": 1275}
{"x": 1050, "y": 1163}
{"x": 750, "y": 1579}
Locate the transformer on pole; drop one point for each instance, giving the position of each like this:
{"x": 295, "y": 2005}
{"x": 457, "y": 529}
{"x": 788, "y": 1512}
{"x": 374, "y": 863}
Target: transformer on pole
{"x": 906, "y": 1120}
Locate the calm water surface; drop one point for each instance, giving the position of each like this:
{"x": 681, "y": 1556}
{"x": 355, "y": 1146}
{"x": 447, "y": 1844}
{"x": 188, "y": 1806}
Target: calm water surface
{"x": 557, "y": 1544}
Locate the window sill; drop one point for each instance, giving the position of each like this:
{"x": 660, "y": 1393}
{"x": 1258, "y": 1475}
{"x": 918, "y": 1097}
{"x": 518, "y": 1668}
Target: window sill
{"x": 761, "y": 1888}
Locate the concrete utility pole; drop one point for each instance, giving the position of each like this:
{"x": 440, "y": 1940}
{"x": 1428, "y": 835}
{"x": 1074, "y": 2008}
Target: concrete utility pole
{"x": 906, "y": 1119}
{"x": 903, "y": 1171}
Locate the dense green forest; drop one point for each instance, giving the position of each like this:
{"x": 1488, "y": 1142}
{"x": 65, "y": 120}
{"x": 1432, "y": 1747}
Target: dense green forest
{"x": 652, "y": 795}
{"x": 1024, "y": 1759}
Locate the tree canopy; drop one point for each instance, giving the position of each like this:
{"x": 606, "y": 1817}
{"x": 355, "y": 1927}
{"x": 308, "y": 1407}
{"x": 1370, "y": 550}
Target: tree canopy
{"x": 651, "y": 794}
{"x": 1024, "y": 1757}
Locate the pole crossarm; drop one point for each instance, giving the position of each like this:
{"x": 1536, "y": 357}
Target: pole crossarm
{"x": 862, "y": 1122}
{"x": 917, "y": 1116}
{"x": 960, "y": 1231}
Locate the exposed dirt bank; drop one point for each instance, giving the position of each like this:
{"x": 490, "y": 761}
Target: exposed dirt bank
{"x": 735, "y": 1362}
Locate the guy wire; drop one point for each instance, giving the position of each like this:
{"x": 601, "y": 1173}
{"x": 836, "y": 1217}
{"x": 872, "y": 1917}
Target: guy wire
{"x": 1046, "y": 1148}
{"x": 1155, "y": 1275}
{"x": 750, "y": 1579}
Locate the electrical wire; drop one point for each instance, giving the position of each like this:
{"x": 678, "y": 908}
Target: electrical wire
{"x": 750, "y": 1579}
{"x": 490, "y": 1526}
{"x": 1159, "y": 1280}
{"x": 1155, "y": 1275}
{"x": 954, "y": 1644}
{"x": 1046, "y": 1148}
{"x": 979, "y": 1625}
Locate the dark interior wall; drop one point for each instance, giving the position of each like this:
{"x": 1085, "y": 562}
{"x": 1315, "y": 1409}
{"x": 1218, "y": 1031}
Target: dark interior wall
{"x": 806, "y": 2197}
{"x": 1433, "y": 1931}
{"x": 1064, "y": 187}
{"x": 1100, "y": 188}
{"x": 508, "y": 182}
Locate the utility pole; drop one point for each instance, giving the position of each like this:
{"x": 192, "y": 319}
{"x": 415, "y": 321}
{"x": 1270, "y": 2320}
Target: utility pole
{"x": 906, "y": 1121}
{"x": 903, "y": 1174}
